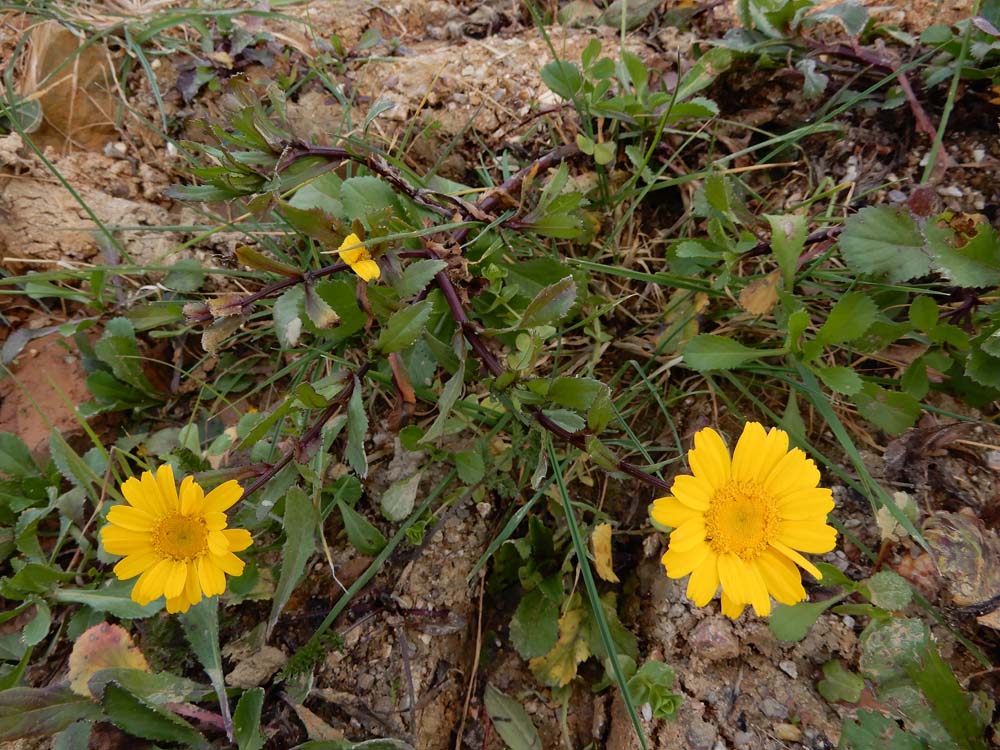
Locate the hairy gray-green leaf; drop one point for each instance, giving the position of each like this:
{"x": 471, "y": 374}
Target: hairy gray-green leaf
{"x": 449, "y": 395}
{"x": 357, "y": 428}
{"x": 399, "y": 497}
{"x": 141, "y": 719}
{"x": 511, "y": 721}
{"x": 201, "y": 628}
{"x": 299, "y": 524}
{"x": 288, "y": 316}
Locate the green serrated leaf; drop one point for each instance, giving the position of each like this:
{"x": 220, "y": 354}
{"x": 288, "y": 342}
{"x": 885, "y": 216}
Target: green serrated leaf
{"x": 885, "y": 241}
{"x": 788, "y": 238}
{"x": 840, "y": 684}
{"x": 470, "y": 465}
{"x": 563, "y": 78}
{"x": 418, "y": 275}
{"x": 404, "y": 327}
{"x": 186, "y": 275}
{"x": 299, "y": 524}
{"x": 141, "y": 719}
{"x": 967, "y": 262}
{"x": 366, "y": 195}
{"x": 15, "y": 458}
{"x": 26, "y": 712}
{"x": 117, "y": 348}
{"x": 848, "y": 320}
{"x": 923, "y": 313}
{"x": 535, "y": 625}
{"x": 550, "y": 304}
{"x": 840, "y": 379}
{"x": 511, "y": 721}
{"x": 317, "y": 310}
{"x": 892, "y": 411}
{"x": 708, "y": 351}
{"x": 115, "y": 599}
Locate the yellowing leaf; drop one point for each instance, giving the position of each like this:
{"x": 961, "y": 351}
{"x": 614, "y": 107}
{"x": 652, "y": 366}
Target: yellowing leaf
{"x": 759, "y": 296}
{"x": 558, "y": 667}
{"x": 101, "y": 647}
{"x": 600, "y": 540}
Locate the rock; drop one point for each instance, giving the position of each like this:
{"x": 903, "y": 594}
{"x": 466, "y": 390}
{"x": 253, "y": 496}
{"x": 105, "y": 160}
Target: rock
{"x": 789, "y": 668}
{"x": 773, "y": 709}
{"x": 787, "y": 732}
{"x": 713, "y": 639}
{"x": 700, "y": 735}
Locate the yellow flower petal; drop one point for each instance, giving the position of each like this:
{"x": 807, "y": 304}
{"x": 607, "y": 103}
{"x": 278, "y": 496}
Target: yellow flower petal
{"x": 192, "y": 587}
{"x": 808, "y": 536}
{"x": 192, "y": 500}
{"x": 178, "y": 604}
{"x": 670, "y": 512}
{"x": 239, "y": 539}
{"x": 176, "y": 580}
{"x": 760, "y": 452}
{"x": 730, "y": 608}
{"x": 759, "y": 597}
{"x": 813, "y": 504}
{"x": 795, "y": 471}
{"x": 704, "y": 580}
{"x": 710, "y": 458}
{"x": 693, "y": 492}
{"x": 214, "y": 520}
{"x": 150, "y": 488}
{"x": 217, "y": 543}
{"x": 229, "y": 563}
{"x": 678, "y": 564}
{"x": 223, "y": 497}
{"x": 135, "y": 496}
{"x": 151, "y": 583}
{"x": 734, "y": 579}
{"x": 118, "y": 541}
{"x": 689, "y": 534}
{"x": 781, "y": 577}
{"x": 131, "y": 518}
{"x": 798, "y": 559}
{"x": 211, "y": 577}
{"x": 133, "y": 565}
{"x": 167, "y": 486}
{"x": 367, "y": 269}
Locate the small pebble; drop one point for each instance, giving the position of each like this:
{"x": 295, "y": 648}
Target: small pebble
{"x": 789, "y": 668}
{"x": 773, "y": 709}
{"x": 788, "y": 732}
{"x": 713, "y": 640}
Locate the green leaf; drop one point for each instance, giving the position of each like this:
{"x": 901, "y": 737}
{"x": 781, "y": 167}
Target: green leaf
{"x": 575, "y": 393}
{"x": 418, "y": 275}
{"x": 534, "y": 628}
{"x": 287, "y": 313}
{"x": 563, "y": 78}
{"x": 117, "y": 348}
{"x": 141, "y": 719}
{"x": 792, "y": 623}
{"x": 873, "y": 730}
{"x": 364, "y": 537}
{"x": 967, "y": 262}
{"x": 252, "y": 258}
{"x": 788, "y": 238}
{"x": 246, "y": 720}
{"x": 114, "y": 599}
{"x": 201, "y": 628}
{"x": 840, "y": 684}
{"x": 299, "y": 524}
{"x": 357, "y": 428}
{"x": 320, "y": 314}
{"x": 703, "y": 73}
{"x": 449, "y": 395}
{"x": 983, "y": 368}
{"x": 186, "y": 275}
{"x": 840, "y": 379}
{"x": 550, "y": 304}
{"x": 653, "y": 684}
{"x": 470, "y": 465}
{"x": 923, "y": 313}
{"x": 848, "y": 320}
{"x": 568, "y": 420}
{"x": 26, "y": 712}
{"x": 399, "y": 498}
{"x": 889, "y": 590}
{"x": 15, "y": 458}
{"x": 367, "y": 195}
{"x": 892, "y": 411}
{"x": 404, "y": 327}
{"x": 885, "y": 241}
{"x": 707, "y": 351}
{"x": 511, "y": 721}
{"x": 157, "y": 688}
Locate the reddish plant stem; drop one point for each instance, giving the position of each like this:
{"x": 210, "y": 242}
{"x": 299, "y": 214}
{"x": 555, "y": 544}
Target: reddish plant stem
{"x": 309, "y": 435}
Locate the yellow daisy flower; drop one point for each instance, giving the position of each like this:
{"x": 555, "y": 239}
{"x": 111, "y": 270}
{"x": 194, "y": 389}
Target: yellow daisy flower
{"x": 179, "y": 546}
{"x": 355, "y": 254}
{"x": 742, "y": 522}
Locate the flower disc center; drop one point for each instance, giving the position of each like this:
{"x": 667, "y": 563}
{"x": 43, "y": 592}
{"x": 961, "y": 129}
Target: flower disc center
{"x": 181, "y": 537}
{"x": 741, "y": 519}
